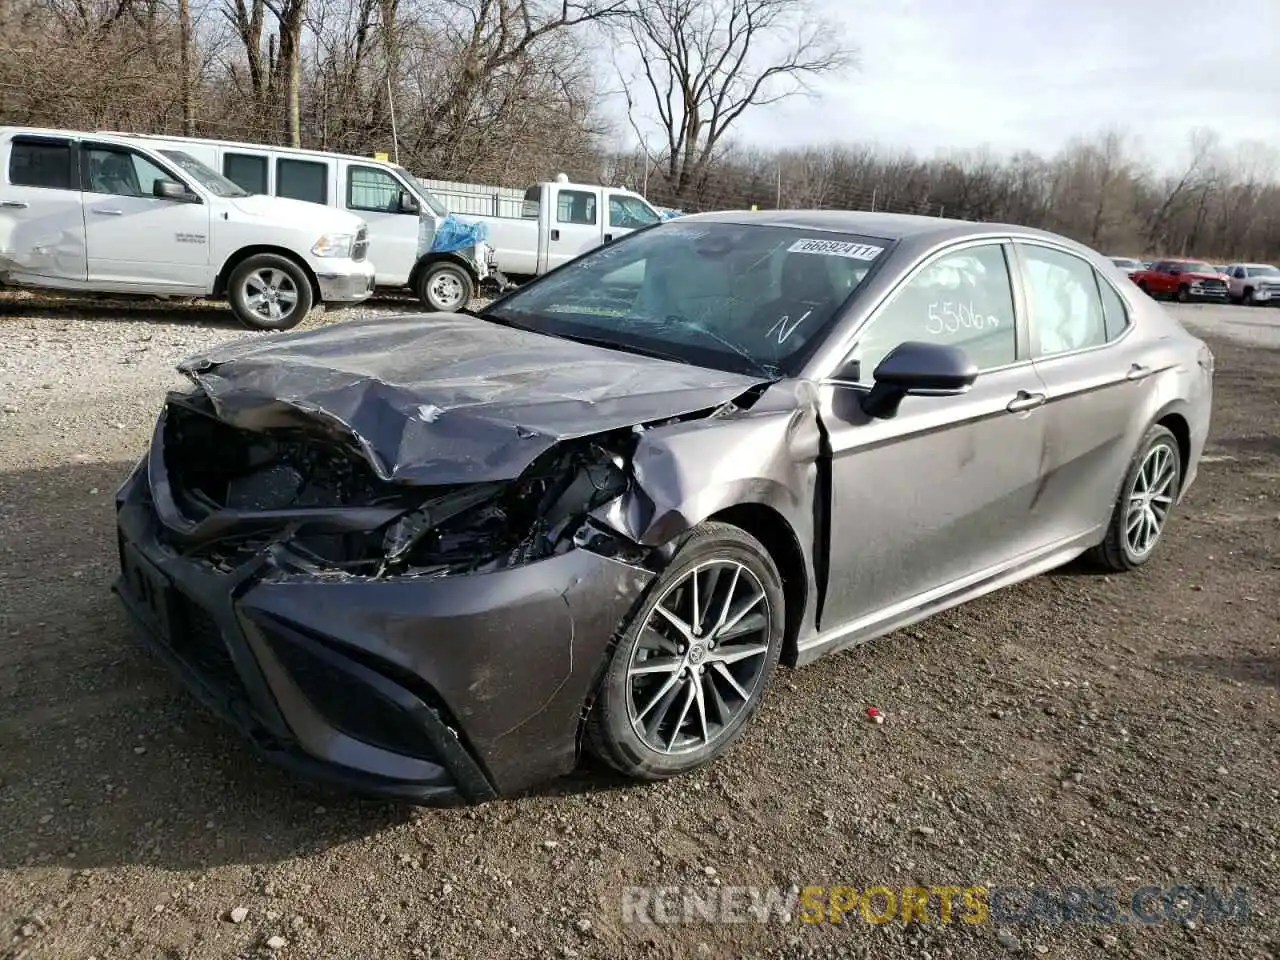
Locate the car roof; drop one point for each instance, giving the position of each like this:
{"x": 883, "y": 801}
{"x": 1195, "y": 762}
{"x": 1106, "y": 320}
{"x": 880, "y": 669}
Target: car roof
{"x": 153, "y": 140}
{"x": 16, "y": 131}
{"x": 917, "y": 229}
{"x": 243, "y": 145}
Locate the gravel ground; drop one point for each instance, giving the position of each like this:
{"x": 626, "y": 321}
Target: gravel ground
{"x": 1076, "y": 729}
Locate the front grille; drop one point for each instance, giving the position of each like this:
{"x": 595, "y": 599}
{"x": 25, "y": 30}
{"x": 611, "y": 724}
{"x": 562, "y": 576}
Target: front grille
{"x": 348, "y": 703}
{"x": 1214, "y": 284}
{"x": 360, "y": 249}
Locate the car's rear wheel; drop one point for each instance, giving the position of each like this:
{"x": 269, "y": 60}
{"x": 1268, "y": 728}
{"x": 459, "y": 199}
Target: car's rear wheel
{"x": 1146, "y": 500}
{"x": 691, "y": 665}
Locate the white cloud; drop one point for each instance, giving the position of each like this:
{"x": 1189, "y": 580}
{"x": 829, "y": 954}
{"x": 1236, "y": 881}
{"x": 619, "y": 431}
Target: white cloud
{"x": 940, "y": 75}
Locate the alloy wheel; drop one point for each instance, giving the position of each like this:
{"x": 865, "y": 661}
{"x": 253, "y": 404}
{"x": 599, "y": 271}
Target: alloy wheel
{"x": 699, "y": 658}
{"x": 1150, "y": 499}
{"x": 270, "y": 294}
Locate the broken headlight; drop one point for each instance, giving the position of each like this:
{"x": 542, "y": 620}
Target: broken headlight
{"x": 495, "y": 525}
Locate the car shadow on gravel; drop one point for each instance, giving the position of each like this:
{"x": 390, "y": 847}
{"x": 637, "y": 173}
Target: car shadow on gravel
{"x": 104, "y": 759}
{"x": 1259, "y": 670}
{"x": 1267, "y": 445}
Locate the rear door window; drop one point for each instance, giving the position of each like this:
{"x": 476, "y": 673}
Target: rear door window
{"x": 1115, "y": 316}
{"x": 1066, "y": 306}
{"x": 302, "y": 180}
{"x": 246, "y": 171}
{"x": 41, "y": 162}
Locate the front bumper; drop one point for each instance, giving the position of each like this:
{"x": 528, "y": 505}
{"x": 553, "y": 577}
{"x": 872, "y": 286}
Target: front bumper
{"x": 432, "y": 691}
{"x": 1217, "y": 294}
{"x": 351, "y": 283}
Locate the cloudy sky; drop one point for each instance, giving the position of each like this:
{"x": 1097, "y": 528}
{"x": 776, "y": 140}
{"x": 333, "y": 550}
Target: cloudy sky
{"x": 1013, "y": 74}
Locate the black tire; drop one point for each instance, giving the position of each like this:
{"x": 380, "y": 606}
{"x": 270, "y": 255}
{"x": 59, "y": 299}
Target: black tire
{"x": 445, "y": 287}
{"x": 1116, "y": 552}
{"x": 1246, "y": 298}
{"x": 610, "y": 734}
{"x": 1184, "y": 294}
{"x": 252, "y": 274}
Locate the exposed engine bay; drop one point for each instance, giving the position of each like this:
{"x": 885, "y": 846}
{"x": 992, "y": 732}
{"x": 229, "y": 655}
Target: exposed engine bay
{"x": 301, "y": 474}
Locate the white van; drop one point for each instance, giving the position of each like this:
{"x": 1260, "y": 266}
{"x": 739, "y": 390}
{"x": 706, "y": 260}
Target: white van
{"x": 95, "y": 213}
{"x": 413, "y": 240}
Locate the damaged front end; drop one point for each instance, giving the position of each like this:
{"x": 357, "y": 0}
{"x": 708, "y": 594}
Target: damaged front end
{"x": 311, "y": 495}
{"x": 429, "y": 643}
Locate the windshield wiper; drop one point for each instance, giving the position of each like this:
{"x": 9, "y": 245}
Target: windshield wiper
{"x": 503, "y": 320}
{"x": 626, "y": 347}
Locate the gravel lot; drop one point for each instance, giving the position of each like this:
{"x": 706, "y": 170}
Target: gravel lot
{"x": 1077, "y": 729}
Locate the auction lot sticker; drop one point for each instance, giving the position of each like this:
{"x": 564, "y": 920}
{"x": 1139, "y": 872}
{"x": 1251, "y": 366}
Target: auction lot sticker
{"x": 837, "y": 248}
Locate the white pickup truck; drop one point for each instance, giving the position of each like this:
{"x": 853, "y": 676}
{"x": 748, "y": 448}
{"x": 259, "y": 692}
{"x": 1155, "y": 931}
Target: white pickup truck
{"x": 1253, "y": 283}
{"x": 413, "y": 240}
{"x": 96, "y": 213}
{"x": 562, "y": 220}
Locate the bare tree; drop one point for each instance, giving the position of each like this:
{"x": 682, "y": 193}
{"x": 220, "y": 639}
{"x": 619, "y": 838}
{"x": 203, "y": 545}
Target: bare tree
{"x": 703, "y": 63}
{"x": 185, "y": 86}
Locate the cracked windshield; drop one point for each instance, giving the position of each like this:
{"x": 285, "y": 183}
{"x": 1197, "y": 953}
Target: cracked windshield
{"x": 746, "y": 298}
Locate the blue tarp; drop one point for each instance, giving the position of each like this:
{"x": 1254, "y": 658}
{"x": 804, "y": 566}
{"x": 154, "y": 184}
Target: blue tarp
{"x": 454, "y": 234}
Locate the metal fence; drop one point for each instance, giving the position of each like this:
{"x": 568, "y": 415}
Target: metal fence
{"x": 478, "y": 199}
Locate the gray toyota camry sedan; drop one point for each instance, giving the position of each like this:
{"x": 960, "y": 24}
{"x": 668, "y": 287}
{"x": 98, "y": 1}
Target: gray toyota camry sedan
{"x": 436, "y": 557}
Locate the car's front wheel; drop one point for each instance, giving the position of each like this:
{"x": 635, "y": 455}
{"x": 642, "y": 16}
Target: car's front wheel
{"x": 691, "y": 665}
{"x": 1147, "y": 498}
{"x": 269, "y": 292}
{"x": 445, "y": 287}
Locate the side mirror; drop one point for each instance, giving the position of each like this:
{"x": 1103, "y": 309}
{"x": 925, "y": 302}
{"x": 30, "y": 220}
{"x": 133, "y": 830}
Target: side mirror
{"x": 918, "y": 369}
{"x": 408, "y": 202}
{"x": 173, "y": 190}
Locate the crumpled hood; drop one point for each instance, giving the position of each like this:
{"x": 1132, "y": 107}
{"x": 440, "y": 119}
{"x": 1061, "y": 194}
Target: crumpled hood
{"x": 447, "y": 398}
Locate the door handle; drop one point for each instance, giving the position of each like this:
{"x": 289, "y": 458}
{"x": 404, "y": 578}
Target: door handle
{"x": 1025, "y": 401}
{"x": 108, "y": 213}
{"x": 555, "y": 234}
{"x": 1138, "y": 372}
{"x": 15, "y": 204}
